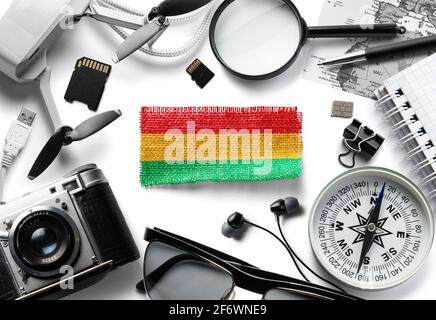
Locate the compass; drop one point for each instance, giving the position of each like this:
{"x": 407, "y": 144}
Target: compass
{"x": 371, "y": 228}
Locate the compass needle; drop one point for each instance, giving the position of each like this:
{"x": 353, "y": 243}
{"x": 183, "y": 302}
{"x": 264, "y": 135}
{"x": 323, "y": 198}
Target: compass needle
{"x": 371, "y": 228}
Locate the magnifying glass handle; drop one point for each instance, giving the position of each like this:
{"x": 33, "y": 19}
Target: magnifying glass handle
{"x": 357, "y": 31}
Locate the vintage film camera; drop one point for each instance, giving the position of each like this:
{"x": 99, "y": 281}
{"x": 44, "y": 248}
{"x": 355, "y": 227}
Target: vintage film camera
{"x": 73, "y": 223}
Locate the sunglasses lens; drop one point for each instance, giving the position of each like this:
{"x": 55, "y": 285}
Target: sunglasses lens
{"x": 283, "y": 294}
{"x": 173, "y": 274}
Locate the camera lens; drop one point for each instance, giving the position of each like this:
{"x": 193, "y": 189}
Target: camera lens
{"x": 44, "y": 241}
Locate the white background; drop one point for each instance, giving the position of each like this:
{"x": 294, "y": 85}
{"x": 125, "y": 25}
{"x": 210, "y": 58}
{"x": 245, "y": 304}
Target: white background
{"x": 195, "y": 211}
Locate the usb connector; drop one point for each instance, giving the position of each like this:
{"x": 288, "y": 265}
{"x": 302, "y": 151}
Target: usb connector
{"x": 16, "y": 139}
{"x": 26, "y": 117}
{"x": 17, "y": 136}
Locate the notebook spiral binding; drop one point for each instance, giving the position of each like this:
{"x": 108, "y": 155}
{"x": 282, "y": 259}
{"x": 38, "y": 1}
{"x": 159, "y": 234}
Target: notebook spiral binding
{"x": 412, "y": 136}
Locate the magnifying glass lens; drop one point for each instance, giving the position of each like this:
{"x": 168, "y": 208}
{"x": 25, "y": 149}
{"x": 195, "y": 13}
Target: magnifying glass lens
{"x": 257, "y": 37}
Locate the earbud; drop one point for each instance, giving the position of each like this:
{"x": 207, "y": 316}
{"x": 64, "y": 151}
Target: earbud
{"x": 289, "y": 207}
{"x": 233, "y": 225}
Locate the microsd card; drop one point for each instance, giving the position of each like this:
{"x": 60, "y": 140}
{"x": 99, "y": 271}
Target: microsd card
{"x": 88, "y": 82}
{"x": 200, "y": 73}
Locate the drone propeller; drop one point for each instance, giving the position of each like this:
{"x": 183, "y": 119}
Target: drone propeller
{"x": 66, "y": 135}
{"x": 170, "y": 8}
{"x": 140, "y": 37}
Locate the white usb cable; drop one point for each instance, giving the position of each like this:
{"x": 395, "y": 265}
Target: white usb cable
{"x": 15, "y": 141}
{"x": 207, "y": 11}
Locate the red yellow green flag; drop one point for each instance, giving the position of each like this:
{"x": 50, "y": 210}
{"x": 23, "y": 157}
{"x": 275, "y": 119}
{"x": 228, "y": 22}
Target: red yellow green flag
{"x": 218, "y": 144}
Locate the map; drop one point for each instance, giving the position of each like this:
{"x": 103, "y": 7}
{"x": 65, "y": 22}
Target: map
{"x": 418, "y": 16}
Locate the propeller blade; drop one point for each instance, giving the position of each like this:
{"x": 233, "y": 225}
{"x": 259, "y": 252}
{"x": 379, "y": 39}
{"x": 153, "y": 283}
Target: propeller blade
{"x": 137, "y": 40}
{"x": 94, "y": 125}
{"x": 170, "y": 8}
{"x": 48, "y": 154}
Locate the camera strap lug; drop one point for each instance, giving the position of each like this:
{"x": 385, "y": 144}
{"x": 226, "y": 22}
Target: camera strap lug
{"x": 4, "y": 235}
{"x": 73, "y": 185}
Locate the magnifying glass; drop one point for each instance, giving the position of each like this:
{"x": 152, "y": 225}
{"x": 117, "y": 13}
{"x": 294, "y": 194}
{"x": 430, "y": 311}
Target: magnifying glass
{"x": 260, "y": 39}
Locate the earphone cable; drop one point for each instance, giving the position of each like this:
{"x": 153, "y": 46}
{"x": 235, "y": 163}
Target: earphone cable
{"x": 285, "y": 241}
{"x": 291, "y": 253}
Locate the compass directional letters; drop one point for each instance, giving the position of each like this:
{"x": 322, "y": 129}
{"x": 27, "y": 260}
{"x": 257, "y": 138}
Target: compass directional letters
{"x": 360, "y": 229}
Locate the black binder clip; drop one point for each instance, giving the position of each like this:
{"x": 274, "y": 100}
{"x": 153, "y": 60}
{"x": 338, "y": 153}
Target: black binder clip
{"x": 360, "y": 140}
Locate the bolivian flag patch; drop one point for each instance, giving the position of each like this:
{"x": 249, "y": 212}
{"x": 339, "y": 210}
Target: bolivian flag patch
{"x": 218, "y": 144}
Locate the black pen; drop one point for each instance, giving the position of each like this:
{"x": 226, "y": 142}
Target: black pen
{"x": 408, "y": 46}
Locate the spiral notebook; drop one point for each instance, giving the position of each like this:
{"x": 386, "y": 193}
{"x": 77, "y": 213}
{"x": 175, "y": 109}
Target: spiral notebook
{"x": 408, "y": 101}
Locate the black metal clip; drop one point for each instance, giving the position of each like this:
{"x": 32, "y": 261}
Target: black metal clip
{"x": 360, "y": 140}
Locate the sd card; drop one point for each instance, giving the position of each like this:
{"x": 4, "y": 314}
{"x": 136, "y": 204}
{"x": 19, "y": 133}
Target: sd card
{"x": 88, "y": 82}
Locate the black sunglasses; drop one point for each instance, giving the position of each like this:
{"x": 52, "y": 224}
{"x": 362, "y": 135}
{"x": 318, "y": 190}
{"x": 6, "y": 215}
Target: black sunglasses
{"x": 176, "y": 268}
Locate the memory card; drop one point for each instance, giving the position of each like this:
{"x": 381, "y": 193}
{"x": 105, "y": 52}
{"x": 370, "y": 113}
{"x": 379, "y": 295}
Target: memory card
{"x": 200, "y": 73}
{"x": 88, "y": 82}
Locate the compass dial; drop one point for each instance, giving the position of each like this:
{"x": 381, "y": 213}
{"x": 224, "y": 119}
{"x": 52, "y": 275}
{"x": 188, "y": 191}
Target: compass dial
{"x": 371, "y": 228}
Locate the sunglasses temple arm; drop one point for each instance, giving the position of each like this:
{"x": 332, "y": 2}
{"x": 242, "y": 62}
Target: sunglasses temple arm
{"x": 303, "y": 286}
{"x": 390, "y": 30}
